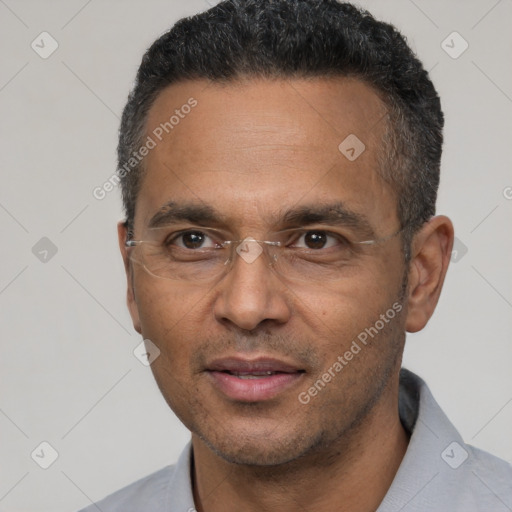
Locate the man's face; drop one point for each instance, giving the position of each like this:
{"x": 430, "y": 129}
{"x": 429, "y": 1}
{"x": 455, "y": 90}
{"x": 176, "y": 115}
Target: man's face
{"x": 251, "y": 153}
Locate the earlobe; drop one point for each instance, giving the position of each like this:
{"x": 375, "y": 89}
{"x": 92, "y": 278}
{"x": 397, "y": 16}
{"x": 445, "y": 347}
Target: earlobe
{"x": 431, "y": 251}
{"x": 130, "y": 293}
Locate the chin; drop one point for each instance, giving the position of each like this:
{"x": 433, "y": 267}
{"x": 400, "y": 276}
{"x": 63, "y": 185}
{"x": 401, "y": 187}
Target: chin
{"x": 264, "y": 448}
{"x": 250, "y": 454}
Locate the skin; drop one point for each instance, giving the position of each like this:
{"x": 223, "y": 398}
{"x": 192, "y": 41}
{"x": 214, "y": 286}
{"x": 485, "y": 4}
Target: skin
{"x": 251, "y": 150}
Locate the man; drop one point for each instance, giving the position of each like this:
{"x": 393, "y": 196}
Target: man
{"x": 279, "y": 162}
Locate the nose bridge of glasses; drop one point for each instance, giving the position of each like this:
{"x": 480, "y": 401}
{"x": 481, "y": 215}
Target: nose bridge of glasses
{"x": 249, "y": 249}
{"x": 249, "y": 257}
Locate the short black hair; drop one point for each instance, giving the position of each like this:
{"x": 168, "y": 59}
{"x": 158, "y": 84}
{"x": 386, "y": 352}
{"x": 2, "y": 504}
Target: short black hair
{"x": 297, "y": 39}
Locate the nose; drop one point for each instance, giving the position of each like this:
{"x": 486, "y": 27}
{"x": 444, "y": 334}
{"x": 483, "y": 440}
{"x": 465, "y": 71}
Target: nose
{"x": 251, "y": 293}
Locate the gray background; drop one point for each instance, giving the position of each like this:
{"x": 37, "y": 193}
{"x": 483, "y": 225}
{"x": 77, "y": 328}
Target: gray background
{"x": 68, "y": 375}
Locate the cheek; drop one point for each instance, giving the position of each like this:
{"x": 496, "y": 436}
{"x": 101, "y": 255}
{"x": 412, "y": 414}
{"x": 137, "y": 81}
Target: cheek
{"x": 352, "y": 297}
{"x": 167, "y": 311}
{"x": 169, "y": 318}
{"x": 338, "y": 313}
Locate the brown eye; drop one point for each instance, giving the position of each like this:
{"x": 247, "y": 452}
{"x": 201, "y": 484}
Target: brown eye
{"x": 192, "y": 240}
{"x": 315, "y": 239}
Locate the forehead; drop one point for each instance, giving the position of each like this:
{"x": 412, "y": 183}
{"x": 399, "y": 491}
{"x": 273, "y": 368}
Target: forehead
{"x": 250, "y": 147}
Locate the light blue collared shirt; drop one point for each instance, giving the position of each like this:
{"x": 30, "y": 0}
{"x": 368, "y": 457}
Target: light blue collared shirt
{"x": 439, "y": 472}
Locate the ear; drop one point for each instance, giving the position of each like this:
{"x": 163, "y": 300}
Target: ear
{"x": 430, "y": 256}
{"x": 122, "y": 233}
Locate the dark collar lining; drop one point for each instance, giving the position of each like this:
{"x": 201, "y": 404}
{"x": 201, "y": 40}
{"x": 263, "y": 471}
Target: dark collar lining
{"x": 408, "y": 399}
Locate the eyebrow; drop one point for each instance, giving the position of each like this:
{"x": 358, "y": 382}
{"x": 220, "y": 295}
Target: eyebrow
{"x": 173, "y": 212}
{"x": 332, "y": 214}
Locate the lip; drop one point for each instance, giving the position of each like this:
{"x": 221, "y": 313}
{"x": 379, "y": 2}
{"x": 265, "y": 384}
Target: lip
{"x": 223, "y": 374}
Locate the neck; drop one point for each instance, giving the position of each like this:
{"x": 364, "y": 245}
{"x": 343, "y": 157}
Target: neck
{"x": 354, "y": 473}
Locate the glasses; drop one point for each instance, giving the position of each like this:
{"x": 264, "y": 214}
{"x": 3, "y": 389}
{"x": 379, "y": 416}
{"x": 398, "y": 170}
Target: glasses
{"x": 202, "y": 254}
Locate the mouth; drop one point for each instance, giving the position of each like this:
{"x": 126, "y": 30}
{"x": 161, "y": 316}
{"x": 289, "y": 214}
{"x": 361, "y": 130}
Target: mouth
{"x": 251, "y": 375}
{"x": 252, "y": 380}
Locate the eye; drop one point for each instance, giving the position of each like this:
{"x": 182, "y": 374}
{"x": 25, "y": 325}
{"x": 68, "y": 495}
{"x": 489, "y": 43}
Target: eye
{"x": 319, "y": 239}
{"x": 192, "y": 240}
